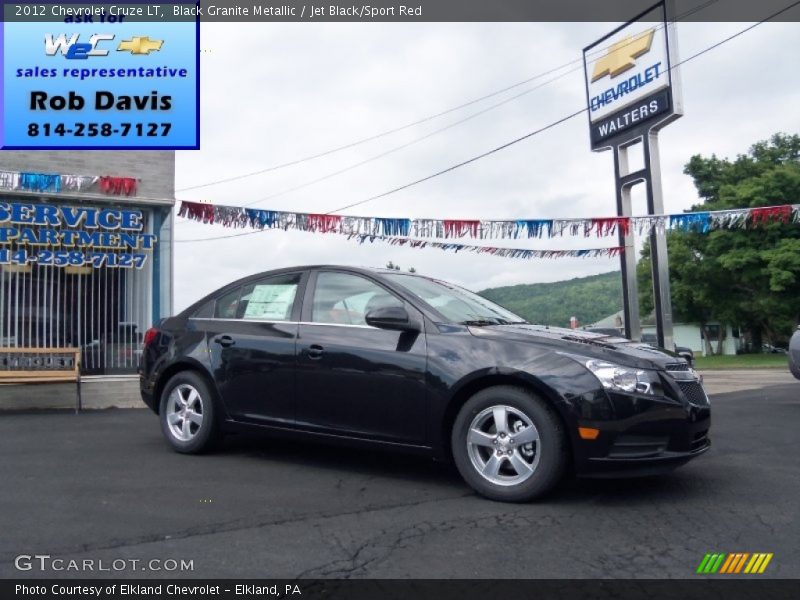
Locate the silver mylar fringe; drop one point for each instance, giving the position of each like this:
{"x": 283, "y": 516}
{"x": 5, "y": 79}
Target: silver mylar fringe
{"x": 358, "y": 225}
{"x": 9, "y": 180}
{"x": 519, "y": 253}
{"x": 78, "y": 182}
{"x": 427, "y": 228}
{"x": 729, "y": 219}
{"x": 645, "y": 225}
{"x": 500, "y": 230}
{"x": 229, "y": 216}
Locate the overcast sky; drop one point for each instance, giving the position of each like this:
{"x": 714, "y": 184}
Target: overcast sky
{"x": 271, "y": 93}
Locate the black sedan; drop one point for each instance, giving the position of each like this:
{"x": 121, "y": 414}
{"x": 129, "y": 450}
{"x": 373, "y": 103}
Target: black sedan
{"x": 376, "y": 357}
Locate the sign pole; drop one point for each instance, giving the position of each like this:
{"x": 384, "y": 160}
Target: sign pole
{"x": 659, "y": 257}
{"x": 632, "y": 91}
{"x": 630, "y": 288}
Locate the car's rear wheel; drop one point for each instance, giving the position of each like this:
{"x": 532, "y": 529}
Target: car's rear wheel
{"x": 187, "y": 413}
{"x": 509, "y": 445}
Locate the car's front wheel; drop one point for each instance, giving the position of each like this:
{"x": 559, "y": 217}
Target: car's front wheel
{"x": 187, "y": 414}
{"x": 509, "y": 445}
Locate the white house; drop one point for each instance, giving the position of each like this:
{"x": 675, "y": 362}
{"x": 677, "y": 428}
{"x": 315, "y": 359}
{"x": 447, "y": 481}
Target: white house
{"x": 685, "y": 334}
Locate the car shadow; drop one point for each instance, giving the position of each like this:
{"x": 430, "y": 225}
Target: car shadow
{"x": 371, "y": 462}
{"x": 678, "y": 485}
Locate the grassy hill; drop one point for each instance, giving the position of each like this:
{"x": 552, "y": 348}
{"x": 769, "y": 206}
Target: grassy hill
{"x": 588, "y": 298}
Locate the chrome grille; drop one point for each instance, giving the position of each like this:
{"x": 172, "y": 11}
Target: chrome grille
{"x": 677, "y": 367}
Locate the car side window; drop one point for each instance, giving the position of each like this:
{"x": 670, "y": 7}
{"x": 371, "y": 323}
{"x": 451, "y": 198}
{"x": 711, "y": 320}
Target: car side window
{"x": 270, "y": 299}
{"x": 227, "y": 306}
{"x": 345, "y": 299}
{"x": 206, "y": 311}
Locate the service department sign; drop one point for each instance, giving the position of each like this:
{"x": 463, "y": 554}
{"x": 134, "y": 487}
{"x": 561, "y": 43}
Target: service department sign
{"x": 631, "y": 80}
{"x": 73, "y": 236}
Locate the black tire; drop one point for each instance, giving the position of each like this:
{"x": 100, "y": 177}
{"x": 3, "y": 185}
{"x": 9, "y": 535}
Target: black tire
{"x": 201, "y": 437}
{"x": 551, "y": 445}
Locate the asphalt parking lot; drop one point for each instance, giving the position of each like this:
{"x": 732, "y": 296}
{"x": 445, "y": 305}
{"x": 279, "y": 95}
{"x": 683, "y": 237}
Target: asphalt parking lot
{"x": 104, "y": 486}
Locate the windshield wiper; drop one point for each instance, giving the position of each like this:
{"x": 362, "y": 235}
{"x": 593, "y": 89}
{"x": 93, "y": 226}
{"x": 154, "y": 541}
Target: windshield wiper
{"x": 483, "y": 321}
{"x": 480, "y": 322}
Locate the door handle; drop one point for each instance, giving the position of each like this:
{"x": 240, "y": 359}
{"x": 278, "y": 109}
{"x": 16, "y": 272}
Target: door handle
{"x": 225, "y": 341}
{"x": 315, "y": 351}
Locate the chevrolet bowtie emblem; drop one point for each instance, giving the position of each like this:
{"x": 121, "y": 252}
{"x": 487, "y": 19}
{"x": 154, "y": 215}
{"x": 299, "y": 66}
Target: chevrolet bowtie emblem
{"x": 622, "y": 55}
{"x": 140, "y": 45}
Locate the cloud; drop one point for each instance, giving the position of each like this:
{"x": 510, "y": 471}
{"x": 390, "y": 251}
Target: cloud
{"x": 275, "y": 92}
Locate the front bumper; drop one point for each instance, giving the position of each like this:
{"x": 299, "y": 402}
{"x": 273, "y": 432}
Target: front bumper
{"x": 648, "y": 436}
{"x": 661, "y": 463}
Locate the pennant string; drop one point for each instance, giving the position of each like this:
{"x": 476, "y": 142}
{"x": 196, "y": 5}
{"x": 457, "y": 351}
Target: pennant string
{"x": 421, "y": 233}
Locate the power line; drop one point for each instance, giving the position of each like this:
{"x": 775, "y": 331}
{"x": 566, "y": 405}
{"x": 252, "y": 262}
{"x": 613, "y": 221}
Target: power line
{"x": 418, "y": 181}
{"x": 379, "y": 135}
{"x": 421, "y": 121}
{"x": 463, "y": 163}
{"x": 412, "y": 142}
{"x": 558, "y": 122}
{"x": 446, "y": 127}
{"x": 512, "y": 142}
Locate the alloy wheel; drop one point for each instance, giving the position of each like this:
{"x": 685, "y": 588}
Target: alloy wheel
{"x": 503, "y": 445}
{"x": 184, "y": 412}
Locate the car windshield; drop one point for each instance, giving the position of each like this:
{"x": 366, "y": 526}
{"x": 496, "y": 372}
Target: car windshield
{"x": 456, "y": 304}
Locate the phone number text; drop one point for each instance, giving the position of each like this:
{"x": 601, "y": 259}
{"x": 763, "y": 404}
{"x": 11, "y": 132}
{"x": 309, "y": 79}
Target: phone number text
{"x": 99, "y": 129}
{"x": 73, "y": 258}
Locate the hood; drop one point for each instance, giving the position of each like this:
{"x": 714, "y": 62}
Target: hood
{"x": 585, "y": 343}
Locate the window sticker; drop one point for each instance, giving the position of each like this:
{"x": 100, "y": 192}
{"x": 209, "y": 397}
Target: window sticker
{"x": 271, "y": 301}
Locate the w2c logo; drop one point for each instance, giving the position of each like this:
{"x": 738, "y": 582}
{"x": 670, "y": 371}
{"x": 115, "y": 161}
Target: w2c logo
{"x": 72, "y": 48}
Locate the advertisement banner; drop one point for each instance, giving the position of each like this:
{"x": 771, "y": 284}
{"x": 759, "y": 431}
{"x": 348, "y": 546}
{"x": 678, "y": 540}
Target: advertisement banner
{"x": 98, "y": 76}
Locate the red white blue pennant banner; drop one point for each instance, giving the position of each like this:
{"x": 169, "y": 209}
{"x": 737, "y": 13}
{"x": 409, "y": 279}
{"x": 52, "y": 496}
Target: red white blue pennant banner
{"x": 701, "y": 222}
{"x": 13, "y": 181}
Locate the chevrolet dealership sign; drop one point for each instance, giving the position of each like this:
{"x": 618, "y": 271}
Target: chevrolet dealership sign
{"x": 631, "y": 79}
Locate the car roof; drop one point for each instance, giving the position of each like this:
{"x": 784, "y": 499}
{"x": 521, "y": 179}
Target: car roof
{"x": 256, "y": 276}
{"x": 331, "y": 266}
{"x": 364, "y": 270}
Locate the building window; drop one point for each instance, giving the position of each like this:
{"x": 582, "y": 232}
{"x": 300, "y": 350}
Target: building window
{"x": 101, "y": 310}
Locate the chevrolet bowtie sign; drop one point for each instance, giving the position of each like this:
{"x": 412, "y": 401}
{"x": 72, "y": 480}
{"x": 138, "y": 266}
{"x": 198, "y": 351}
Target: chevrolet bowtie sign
{"x": 622, "y": 55}
{"x": 140, "y": 45}
{"x": 629, "y": 78}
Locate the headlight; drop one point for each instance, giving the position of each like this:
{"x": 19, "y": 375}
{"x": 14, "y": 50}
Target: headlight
{"x": 619, "y": 378}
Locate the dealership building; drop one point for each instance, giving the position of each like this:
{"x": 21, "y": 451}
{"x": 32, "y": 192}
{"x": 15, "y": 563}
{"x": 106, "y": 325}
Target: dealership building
{"x": 86, "y": 257}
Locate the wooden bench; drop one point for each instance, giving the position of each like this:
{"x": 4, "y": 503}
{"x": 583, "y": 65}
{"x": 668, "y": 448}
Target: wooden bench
{"x": 42, "y": 365}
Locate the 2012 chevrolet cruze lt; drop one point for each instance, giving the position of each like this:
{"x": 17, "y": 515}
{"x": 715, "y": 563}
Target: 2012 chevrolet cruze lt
{"x": 382, "y": 357}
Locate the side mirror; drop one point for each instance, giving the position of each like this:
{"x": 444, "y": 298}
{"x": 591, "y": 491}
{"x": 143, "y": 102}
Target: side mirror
{"x": 391, "y": 317}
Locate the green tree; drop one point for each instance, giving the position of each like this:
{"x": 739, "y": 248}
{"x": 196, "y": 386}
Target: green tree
{"x": 588, "y": 298}
{"x": 748, "y": 277}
